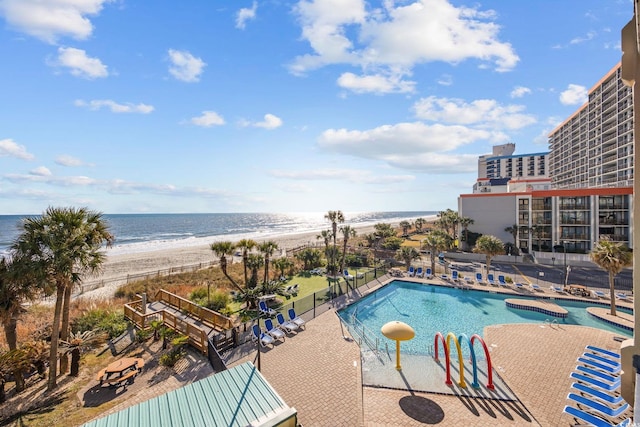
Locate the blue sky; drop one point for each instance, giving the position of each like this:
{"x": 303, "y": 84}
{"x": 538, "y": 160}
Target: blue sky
{"x": 283, "y": 106}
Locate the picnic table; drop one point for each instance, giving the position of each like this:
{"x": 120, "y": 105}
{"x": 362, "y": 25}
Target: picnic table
{"x": 576, "y": 289}
{"x": 120, "y": 372}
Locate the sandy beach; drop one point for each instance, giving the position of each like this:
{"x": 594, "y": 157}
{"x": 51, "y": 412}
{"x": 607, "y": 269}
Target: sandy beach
{"x": 118, "y": 267}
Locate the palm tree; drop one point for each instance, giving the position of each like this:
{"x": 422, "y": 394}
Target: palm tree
{"x": 14, "y": 292}
{"x": 254, "y": 262}
{"x": 246, "y": 245}
{"x": 448, "y": 221}
{"x": 436, "y": 242}
{"x": 77, "y": 343}
{"x": 60, "y": 247}
{"x": 407, "y": 254}
{"x": 335, "y": 217}
{"x": 612, "y": 257}
{"x": 267, "y": 248}
{"x": 513, "y": 230}
{"x": 538, "y": 231}
{"x": 282, "y": 264}
{"x": 465, "y": 222}
{"x": 222, "y": 250}
{"x": 310, "y": 258}
{"x": 406, "y": 226}
{"x": 419, "y": 223}
{"x": 490, "y": 246}
{"x": 347, "y": 232}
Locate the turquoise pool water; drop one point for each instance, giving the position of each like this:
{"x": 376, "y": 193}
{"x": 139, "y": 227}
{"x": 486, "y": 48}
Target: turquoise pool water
{"x": 429, "y": 309}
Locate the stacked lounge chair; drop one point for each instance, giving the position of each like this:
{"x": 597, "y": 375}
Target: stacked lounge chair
{"x": 596, "y": 392}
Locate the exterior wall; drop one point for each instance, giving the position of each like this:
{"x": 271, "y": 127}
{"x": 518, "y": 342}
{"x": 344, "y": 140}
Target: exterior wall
{"x": 594, "y": 147}
{"x": 492, "y": 213}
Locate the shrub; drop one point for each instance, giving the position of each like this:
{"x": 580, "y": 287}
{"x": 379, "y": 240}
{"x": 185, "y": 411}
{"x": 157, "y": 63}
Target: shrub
{"x": 108, "y": 321}
{"x": 143, "y": 334}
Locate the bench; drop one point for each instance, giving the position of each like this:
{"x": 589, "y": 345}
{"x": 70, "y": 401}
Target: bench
{"x": 122, "y": 380}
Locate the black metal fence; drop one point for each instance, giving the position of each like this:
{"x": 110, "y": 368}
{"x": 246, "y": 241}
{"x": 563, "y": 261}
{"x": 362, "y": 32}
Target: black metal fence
{"x": 308, "y": 307}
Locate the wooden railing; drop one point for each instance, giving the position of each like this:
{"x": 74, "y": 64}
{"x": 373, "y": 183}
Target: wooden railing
{"x": 203, "y": 314}
{"x": 197, "y": 336}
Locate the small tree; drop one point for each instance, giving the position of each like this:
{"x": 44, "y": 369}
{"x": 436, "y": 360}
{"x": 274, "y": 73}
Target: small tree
{"x": 513, "y": 230}
{"x": 406, "y": 226}
{"x": 612, "y": 257}
{"x": 436, "y": 242}
{"x": 407, "y": 254}
{"x": 490, "y": 246}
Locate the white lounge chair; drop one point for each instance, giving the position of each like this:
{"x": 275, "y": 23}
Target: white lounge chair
{"x": 557, "y": 289}
{"x": 284, "y": 324}
{"x": 520, "y": 286}
{"x": 622, "y": 296}
{"x": 258, "y": 335}
{"x": 348, "y": 276}
{"x": 535, "y": 287}
{"x": 598, "y": 294}
{"x": 479, "y": 279}
{"x": 411, "y": 272}
{"x": 274, "y": 331}
{"x": 419, "y": 272}
{"x": 502, "y": 281}
{"x": 295, "y": 319}
{"x": 491, "y": 280}
{"x": 428, "y": 274}
{"x": 264, "y": 309}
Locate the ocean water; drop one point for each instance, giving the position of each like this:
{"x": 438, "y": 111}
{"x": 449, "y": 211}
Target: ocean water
{"x": 136, "y": 233}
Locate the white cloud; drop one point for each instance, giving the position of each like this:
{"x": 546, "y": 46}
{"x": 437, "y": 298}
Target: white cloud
{"x": 246, "y": 14}
{"x": 115, "y": 107}
{"x": 581, "y": 39}
{"x": 8, "y": 148}
{"x": 184, "y": 66}
{"x": 445, "y": 80}
{"x": 487, "y": 113}
{"x": 70, "y": 161}
{"x": 375, "y": 83}
{"x": 398, "y": 36}
{"x": 520, "y": 91}
{"x": 208, "y": 119}
{"x": 270, "y": 122}
{"x": 574, "y": 95}
{"x": 40, "y": 171}
{"x": 51, "y": 19}
{"x": 350, "y": 175}
{"x": 80, "y": 64}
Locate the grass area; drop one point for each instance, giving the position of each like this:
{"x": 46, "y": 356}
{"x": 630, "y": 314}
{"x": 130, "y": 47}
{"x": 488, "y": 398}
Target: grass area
{"x": 414, "y": 241}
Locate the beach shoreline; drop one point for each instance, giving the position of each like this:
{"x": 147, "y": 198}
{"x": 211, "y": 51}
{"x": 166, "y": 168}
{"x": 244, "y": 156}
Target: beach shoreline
{"x": 117, "y": 268}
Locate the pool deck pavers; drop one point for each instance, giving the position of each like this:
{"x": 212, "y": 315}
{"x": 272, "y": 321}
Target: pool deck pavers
{"x": 315, "y": 372}
{"x": 318, "y": 371}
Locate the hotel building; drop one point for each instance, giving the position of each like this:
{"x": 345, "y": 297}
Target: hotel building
{"x": 572, "y": 196}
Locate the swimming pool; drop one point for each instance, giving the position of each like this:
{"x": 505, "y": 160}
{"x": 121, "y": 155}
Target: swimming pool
{"x": 429, "y": 309}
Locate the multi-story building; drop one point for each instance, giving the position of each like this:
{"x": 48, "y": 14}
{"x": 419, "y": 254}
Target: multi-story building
{"x": 584, "y": 192}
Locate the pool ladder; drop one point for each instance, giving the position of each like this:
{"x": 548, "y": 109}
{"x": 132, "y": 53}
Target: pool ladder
{"x": 553, "y": 324}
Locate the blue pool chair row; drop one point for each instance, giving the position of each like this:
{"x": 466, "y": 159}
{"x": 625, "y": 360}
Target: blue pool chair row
{"x": 273, "y": 332}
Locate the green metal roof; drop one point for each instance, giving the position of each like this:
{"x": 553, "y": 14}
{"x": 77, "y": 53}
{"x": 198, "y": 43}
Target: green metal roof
{"x": 239, "y": 396}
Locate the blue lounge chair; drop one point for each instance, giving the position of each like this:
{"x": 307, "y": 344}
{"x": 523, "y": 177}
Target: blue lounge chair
{"x": 411, "y": 272}
{"x": 347, "y": 276}
{"x": 274, "y": 331}
{"x": 520, "y": 286}
{"x": 557, "y": 289}
{"x": 260, "y": 336}
{"x": 607, "y": 397}
{"x": 454, "y": 275}
{"x": 598, "y": 294}
{"x": 264, "y": 309}
{"x": 599, "y": 407}
{"x": 592, "y": 419}
{"x": 594, "y": 382}
{"x": 491, "y": 280}
{"x": 284, "y": 324}
{"x": 611, "y": 369}
{"x": 502, "y": 281}
{"x": 419, "y": 272}
{"x": 600, "y": 359}
{"x": 428, "y": 274}
{"x": 622, "y": 296}
{"x": 295, "y": 319}
{"x": 598, "y": 374}
{"x": 603, "y": 352}
{"x": 479, "y": 279}
{"x": 535, "y": 287}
